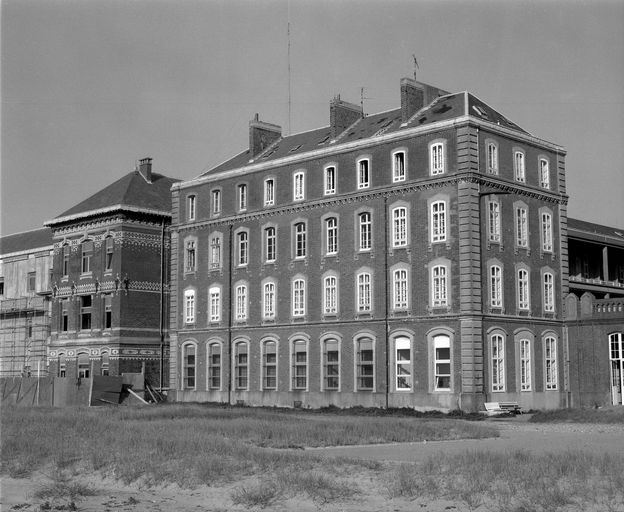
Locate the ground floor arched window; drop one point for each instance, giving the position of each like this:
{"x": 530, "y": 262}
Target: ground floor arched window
{"x": 616, "y": 358}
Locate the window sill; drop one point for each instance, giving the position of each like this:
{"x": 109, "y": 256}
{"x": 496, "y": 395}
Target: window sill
{"x": 86, "y": 275}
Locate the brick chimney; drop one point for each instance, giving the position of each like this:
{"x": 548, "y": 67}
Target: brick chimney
{"x": 342, "y": 114}
{"x": 145, "y": 168}
{"x": 262, "y": 135}
{"x": 416, "y": 95}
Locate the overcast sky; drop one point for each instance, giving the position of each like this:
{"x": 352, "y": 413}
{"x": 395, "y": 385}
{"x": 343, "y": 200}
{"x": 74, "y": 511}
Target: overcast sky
{"x": 90, "y": 86}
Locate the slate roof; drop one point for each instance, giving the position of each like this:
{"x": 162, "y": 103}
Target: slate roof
{"x": 444, "y": 108}
{"x": 131, "y": 192}
{"x": 26, "y": 241}
{"x": 580, "y": 229}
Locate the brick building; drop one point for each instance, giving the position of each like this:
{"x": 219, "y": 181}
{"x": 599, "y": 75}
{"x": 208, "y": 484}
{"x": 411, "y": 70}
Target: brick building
{"x": 416, "y": 257}
{"x": 110, "y": 280}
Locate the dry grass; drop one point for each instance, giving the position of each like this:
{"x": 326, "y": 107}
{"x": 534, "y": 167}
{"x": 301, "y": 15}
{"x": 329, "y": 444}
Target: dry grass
{"x": 585, "y": 415}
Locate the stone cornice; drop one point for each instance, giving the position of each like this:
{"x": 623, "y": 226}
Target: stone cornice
{"x": 105, "y": 210}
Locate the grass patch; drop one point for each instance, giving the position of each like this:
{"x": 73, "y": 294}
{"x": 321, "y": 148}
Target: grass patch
{"x": 614, "y": 415}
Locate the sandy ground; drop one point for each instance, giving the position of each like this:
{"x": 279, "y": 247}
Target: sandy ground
{"x": 112, "y": 496}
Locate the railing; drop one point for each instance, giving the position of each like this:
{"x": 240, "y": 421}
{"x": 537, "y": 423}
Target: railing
{"x": 23, "y": 304}
{"x": 596, "y": 281}
{"x": 608, "y": 306}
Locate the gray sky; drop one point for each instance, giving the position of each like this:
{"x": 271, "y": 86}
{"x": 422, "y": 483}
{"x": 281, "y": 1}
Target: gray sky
{"x": 90, "y": 86}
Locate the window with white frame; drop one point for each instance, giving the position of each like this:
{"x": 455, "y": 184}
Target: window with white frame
{"x": 365, "y": 231}
{"x": 403, "y": 363}
{"x": 299, "y": 186}
{"x": 399, "y": 226}
{"x": 216, "y": 201}
{"x": 214, "y": 304}
{"x": 214, "y": 366}
{"x": 522, "y": 226}
{"x": 270, "y": 244}
{"x": 269, "y": 365}
{"x": 269, "y": 192}
{"x": 241, "y": 365}
{"x": 189, "y": 306}
{"x": 492, "y": 158}
{"x": 330, "y": 295}
{"x": 442, "y": 362}
{"x": 242, "y": 248}
{"x": 269, "y": 301}
{"x": 519, "y": 171}
{"x": 242, "y": 197}
{"x": 547, "y": 232}
{"x": 364, "y": 292}
{"x": 398, "y": 166}
{"x": 494, "y": 221}
{"x": 522, "y": 284}
{"x": 331, "y": 364}
{"x": 298, "y": 297}
{"x": 548, "y": 289}
{"x": 190, "y": 208}
{"x": 108, "y": 261}
{"x": 439, "y": 286}
{"x": 330, "y": 180}
{"x": 190, "y": 256}
{"x": 189, "y": 351}
{"x": 300, "y": 239}
{"x": 550, "y": 362}
{"x": 496, "y": 287}
{"x": 363, "y": 173}
{"x": 331, "y": 235}
{"x": 400, "y": 295}
{"x": 365, "y": 361}
{"x": 299, "y": 368}
{"x": 240, "y": 309}
{"x": 215, "y": 251}
{"x": 438, "y": 221}
{"x": 87, "y": 253}
{"x": 525, "y": 365}
{"x": 497, "y": 358}
{"x": 544, "y": 173}
{"x": 436, "y": 158}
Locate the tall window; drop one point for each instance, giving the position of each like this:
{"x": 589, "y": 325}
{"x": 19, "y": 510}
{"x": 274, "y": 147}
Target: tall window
{"x": 364, "y": 294}
{"x": 299, "y": 186}
{"x": 269, "y": 365}
{"x": 363, "y": 166}
{"x": 269, "y": 301}
{"x": 439, "y": 282}
{"x": 330, "y": 180}
{"x": 442, "y": 362}
{"x": 241, "y": 365}
{"x": 188, "y": 362}
{"x": 522, "y": 227}
{"x": 242, "y": 244}
{"x": 331, "y": 364}
{"x": 83, "y": 366}
{"x": 108, "y": 258}
{"x": 104, "y": 364}
{"x": 108, "y": 311}
{"x": 215, "y": 251}
{"x": 216, "y": 202}
{"x": 242, "y": 197}
{"x": 399, "y": 286}
{"x": 519, "y": 171}
{"x": 403, "y": 359}
{"x": 31, "y": 284}
{"x": 189, "y": 307}
{"x": 399, "y": 227}
{"x": 438, "y": 221}
{"x": 330, "y": 295}
{"x": 550, "y": 361}
{"x": 549, "y": 292}
{"x": 492, "y": 158}
{"x": 547, "y": 233}
{"x": 398, "y": 166}
{"x": 85, "y": 312}
{"x": 298, "y": 297}
{"x": 62, "y": 365}
{"x": 300, "y": 240}
{"x": 523, "y": 289}
{"x": 64, "y": 315}
{"x": 365, "y": 231}
{"x": 270, "y": 244}
{"x": 190, "y": 208}
{"x": 365, "y": 364}
{"x": 494, "y": 221}
{"x": 66, "y": 252}
{"x": 616, "y": 359}
{"x": 214, "y": 366}
{"x": 436, "y": 158}
{"x": 544, "y": 173}
{"x": 214, "y": 297}
{"x": 87, "y": 252}
{"x": 525, "y": 365}
{"x": 299, "y": 367}
{"x": 497, "y": 344}
{"x": 331, "y": 235}
{"x": 496, "y": 286}
{"x": 269, "y": 192}
{"x": 190, "y": 261}
{"x": 241, "y": 302}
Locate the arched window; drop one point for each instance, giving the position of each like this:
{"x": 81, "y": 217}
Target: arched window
{"x": 269, "y": 365}
{"x": 241, "y": 365}
{"x": 364, "y": 292}
{"x": 331, "y": 235}
{"x": 84, "y": 368}
{"x": 330, "y": 295}
{"x": 214, "y": 365}
{"x": 299, "y": 368}
{"x": 365, "y": 231}
{"x": 189, "y": 352}
{"x": 550, "y": 363}
{"x": 331, "y": 364}
{"x": 87, "y": 253}
{"x": 442, "y": 362}
{"x": 403, "y": 363}
{"x": 365, "y": 363}
{"x": 497, "y": 362}
{"x": 298, "y": 297}
{"x": 399, "y": 227}
{"x": 438, "y": 221}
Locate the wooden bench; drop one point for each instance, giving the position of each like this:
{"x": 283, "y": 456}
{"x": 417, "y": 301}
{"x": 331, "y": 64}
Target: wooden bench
{"x": 496, "y": 408}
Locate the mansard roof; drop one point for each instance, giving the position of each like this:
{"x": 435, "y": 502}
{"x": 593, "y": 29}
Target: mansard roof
{"x": 132, "y": 192}
{"x": 26, "y": 241}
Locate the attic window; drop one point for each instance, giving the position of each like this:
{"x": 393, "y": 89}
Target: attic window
{"x": 479, "y": 110}
{"x": 269, "y": 153}
{"x": 323, "y": 141}
{"x": 292, "y": 150}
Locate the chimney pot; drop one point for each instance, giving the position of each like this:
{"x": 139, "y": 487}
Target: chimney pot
{"x": 145, "y": 168}
{"x": 342, "y": 114}
{"x": 262, "y": 135}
